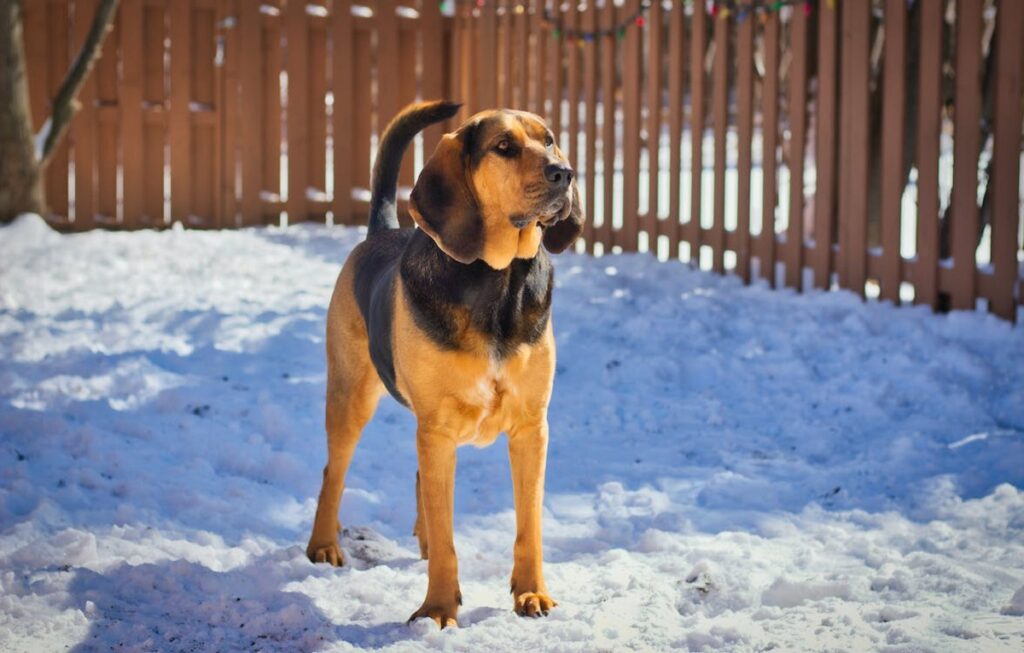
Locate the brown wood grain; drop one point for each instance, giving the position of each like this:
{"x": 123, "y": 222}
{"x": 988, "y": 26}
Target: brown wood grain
{"x": 893, "y": 126}
{"x": 179, "y": 120}
{"x": 132, "y": 155}
{"x": 720, "y": 122}
{"x": 653, "y": 72}
{"x": 698, "y": 44}
{"x": 797, "y": 143}
{"x": 928, "y": 125}
{"x": 590, "y": 75}
{"x": 827, "y": 142}
{"x": 966, "y": 149}
{"x": 83, "y": 131}
{"x": 770, "y": 142}
{"x": 1006, "y": 149}
{"x": 631, "y": 74}
{"x": 676, "y": 101}
{"x": 745, "y": 136}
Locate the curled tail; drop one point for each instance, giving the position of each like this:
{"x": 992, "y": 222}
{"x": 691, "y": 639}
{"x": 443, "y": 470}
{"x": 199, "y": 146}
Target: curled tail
{"x": 399, "y": 133}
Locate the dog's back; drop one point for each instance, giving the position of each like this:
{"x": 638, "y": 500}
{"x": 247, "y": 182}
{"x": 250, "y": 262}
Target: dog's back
{"x": 376, "y": 260}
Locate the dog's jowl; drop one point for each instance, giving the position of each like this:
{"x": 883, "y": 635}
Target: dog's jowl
{"x": 453, "y": 319}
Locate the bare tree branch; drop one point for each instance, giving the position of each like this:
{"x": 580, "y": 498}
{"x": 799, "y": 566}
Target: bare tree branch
{"x": 64, "y": 104}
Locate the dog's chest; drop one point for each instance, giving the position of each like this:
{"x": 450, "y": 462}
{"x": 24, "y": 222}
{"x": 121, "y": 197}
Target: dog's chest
{"x": 461, "y": 306}
{"x": 493, "y": 401}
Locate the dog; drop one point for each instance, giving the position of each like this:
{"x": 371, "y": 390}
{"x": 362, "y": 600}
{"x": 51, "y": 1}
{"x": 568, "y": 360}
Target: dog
{"x": 453, "y": 319}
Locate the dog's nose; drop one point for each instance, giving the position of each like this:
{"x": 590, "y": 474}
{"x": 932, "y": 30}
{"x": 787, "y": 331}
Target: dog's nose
{"x": 557, "y": 174}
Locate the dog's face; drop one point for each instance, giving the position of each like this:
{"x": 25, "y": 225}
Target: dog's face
{"x": 495, "y": 189}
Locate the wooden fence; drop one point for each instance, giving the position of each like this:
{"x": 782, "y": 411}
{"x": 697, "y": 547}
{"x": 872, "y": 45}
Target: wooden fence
{"x": 830, "y": 144}
{"x": 195, "y": 105}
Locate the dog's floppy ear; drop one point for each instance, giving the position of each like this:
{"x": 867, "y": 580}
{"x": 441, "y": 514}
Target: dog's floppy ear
{"x": 564, "y": 233}
{"x": 443, "y": 205}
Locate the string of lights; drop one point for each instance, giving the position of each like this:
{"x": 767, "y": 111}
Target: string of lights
{"x": 740, "y": 10}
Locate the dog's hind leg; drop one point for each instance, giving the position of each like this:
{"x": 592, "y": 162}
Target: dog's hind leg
{"x": 353, "y": 390}
{"x": 350, "y": 405}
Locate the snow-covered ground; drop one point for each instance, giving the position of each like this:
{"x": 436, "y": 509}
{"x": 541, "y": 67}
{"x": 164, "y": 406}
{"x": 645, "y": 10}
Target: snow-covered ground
{"x": 731, "y": 467}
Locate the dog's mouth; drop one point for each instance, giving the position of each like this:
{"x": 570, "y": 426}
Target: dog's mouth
{"x": 545, "y": 215}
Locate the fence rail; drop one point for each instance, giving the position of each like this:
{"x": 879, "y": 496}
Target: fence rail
{"x": 874, "y": 146}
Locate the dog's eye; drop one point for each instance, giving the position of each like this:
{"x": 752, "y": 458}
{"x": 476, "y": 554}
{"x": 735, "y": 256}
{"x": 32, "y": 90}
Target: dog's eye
{"x": 505, "y": 147}
{"x": 548, "y": 141}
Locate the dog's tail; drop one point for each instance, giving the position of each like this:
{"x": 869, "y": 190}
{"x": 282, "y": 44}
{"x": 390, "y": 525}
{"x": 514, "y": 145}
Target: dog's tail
{"x": 399, "y": 133}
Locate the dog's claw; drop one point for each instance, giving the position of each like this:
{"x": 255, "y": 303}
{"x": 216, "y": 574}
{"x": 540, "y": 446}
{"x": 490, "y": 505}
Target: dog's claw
{"x": 325, "y": 553}
{"x": 533, "y": 604}
{"x": 443, "y": 617}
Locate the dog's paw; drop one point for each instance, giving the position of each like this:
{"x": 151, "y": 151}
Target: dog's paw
{"x": 533, "y": 604}
{"x": 329, "y": 552}
{"x": 443, "y": 615}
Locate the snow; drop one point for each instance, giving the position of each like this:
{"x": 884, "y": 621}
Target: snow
{"x": 731, "y": 468}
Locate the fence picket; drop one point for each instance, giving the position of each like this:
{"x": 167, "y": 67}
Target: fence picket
{"x": 590, "y": 121}
{"x": 929, "y": 120}
{"x": 745, "y": 134}
{"x": 720, "y": 120}
{"x": 609, "y": 235}
{"x": 572, "y": 93}
{"x": 794, "y": 252}
{"x": 826, "y": 139}
{"x": 966, "y": 149}
{"x": 132, "y": 20}
{"x": 83, "y": 131}
{"x": 676, "y": 99}
{"x": 316, "y": 105}
{"x": 652, "y": 223}
{"x": 853, "y": 152}
{"x": 203, "y": 115}
{"x": 1006, "y": 147}
{"x": 180, "y": 119}
{"x": 631, "y": 132}
{"x": 698, "y": 38}
{"x": 56, "y": 173}
{"x": 893, "y": 175}
{"x": 271, "y": 98}
{"x": 769, "y": 154}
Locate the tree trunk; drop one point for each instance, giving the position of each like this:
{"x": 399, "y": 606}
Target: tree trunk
{"x": 21, "y": 188}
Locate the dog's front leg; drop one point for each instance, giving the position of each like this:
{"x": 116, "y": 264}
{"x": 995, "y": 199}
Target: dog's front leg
{"x": 528, "y": 450}
{"x": 436, "y": 452}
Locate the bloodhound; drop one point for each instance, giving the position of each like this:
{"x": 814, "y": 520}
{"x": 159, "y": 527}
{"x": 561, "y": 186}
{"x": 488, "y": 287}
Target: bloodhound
{"x": 453, "y": 319}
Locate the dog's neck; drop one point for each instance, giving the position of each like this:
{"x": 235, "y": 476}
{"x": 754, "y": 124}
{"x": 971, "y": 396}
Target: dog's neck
{"x": 508, "y": 307}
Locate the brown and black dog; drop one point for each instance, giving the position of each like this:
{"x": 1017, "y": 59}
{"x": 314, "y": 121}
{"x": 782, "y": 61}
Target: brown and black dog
{"x": 454, "y": 320}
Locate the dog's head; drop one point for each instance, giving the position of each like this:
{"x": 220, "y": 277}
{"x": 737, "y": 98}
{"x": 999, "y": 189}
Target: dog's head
{"x": 495, "y": 189}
